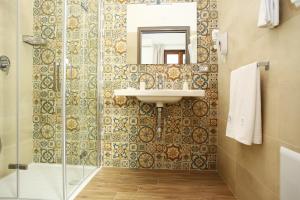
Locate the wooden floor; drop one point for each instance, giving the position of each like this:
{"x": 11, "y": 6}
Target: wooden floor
{"x": 130, "y": 184}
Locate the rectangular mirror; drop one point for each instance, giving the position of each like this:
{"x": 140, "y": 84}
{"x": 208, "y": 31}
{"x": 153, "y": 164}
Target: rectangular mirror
{"x": 162, "y": 34}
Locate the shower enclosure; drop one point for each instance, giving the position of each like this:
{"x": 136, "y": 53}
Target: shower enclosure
{"x": 50, "y": 106}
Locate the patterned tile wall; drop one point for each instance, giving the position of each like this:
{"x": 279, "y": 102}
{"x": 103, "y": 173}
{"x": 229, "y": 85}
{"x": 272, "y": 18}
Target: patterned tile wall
{"x": 81, "y": 93}
{"x": 130, "y": 138}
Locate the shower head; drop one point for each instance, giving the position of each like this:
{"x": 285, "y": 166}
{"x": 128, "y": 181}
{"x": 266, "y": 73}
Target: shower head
{"x": 34, "y": 40}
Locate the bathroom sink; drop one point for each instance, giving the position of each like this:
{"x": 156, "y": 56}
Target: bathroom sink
{"x": 159, "y": 96}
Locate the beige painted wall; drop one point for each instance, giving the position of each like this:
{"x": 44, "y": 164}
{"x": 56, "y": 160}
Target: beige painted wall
{"x": 252, "y": 172}
{"x": 8, "y": 99}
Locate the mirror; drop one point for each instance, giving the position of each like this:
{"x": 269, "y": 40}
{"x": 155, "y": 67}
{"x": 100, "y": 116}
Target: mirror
{"x": 162, "y": 34}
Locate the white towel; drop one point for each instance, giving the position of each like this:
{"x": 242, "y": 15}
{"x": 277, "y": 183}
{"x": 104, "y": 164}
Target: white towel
{"x": 268, "y": 14}
{"x": 244, "y": 118}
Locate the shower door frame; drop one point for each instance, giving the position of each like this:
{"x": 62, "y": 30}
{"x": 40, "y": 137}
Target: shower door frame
{"x": 17, "y": 92}
{"x": 99, "y": 80}
{"x": 65, "y": 195}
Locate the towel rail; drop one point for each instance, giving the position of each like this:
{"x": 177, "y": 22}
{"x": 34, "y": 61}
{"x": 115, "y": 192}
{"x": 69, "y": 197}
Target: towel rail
{"x": 265, "y": 64}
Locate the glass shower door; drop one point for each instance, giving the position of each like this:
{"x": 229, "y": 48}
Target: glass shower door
{"x": 81, "y": 92}
{"x": 32, "y": 117}
{"x": 30, "y": 100}
{"x": 8, "y": 99}
{"x": 40, "y": 104}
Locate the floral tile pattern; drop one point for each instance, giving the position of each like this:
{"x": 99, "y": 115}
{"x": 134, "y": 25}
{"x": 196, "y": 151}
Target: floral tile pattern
{"x": 81, "y": 119}
{"x": 129, "y": 137}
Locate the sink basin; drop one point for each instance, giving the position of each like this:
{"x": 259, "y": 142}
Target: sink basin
{"x": 159, "y": 96}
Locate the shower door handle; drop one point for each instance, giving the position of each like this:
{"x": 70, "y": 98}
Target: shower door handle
{"x": 56, "y": 76}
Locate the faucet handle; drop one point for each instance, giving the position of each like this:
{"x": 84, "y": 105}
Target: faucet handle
{"x": 160, "y": 81}
{"x": 185, "y": 85}
{"x": 142, "y": 85}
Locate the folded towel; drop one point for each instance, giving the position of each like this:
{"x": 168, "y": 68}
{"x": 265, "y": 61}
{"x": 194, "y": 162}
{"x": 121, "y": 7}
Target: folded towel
{"x": 268, "y": 14}
{"x": 244, "y": 118}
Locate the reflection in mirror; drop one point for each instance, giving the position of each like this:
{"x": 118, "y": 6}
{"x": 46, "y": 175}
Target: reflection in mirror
{"x": 162, "y": 34}
{"x": 161, "y": 45}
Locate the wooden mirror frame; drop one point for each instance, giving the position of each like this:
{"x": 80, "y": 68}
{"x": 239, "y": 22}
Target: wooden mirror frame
{"x": 163, "y": 29}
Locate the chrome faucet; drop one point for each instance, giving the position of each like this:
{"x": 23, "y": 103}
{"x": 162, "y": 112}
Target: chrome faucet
{"x": 160, "y": 81}
{"x": 4, "y": 63}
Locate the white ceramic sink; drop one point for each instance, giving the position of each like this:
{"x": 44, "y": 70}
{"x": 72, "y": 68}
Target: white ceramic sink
{"x": 159, "y": 96}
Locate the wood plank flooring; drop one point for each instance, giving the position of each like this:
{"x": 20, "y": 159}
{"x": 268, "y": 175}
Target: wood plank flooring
{"x": 140, "y": 184}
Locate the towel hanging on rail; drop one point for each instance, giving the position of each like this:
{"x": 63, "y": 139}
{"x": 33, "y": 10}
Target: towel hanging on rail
{"x": 268, "y": 14}
{"x": 244, "y": 117}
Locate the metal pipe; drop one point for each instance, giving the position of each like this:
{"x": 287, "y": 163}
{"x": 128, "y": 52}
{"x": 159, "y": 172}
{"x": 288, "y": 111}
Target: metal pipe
{"x": 159, "y": 122}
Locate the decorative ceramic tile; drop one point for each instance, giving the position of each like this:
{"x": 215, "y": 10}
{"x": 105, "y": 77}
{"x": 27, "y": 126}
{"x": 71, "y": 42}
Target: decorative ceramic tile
{"x": 188, "y": 140}
{"x": 81, "y": 83}
{"x": 130, "y": 137}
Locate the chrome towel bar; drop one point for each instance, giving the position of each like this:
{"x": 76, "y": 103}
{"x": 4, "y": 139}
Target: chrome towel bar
{"x": 265, "y": 64}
